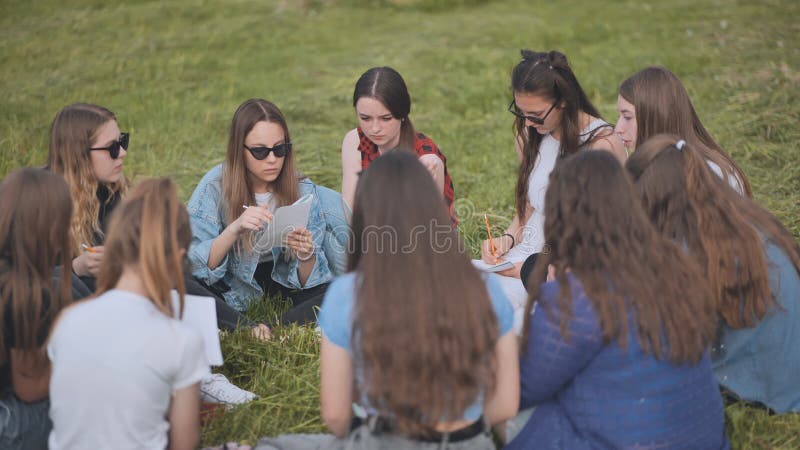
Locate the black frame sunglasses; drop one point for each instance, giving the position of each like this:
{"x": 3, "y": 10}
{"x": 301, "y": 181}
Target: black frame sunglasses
{"x": 512, "y": 108}
{"x": 113, "y": 148}
{"x": 261, "y": 153}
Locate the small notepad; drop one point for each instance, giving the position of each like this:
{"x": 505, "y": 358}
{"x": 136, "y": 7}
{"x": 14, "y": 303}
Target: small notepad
{"x": 284, "y": 220}
{"x": 480, "y": 265}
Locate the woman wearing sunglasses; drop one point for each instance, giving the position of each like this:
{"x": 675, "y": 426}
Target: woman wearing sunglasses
{"x": 236, "y": 199}
{"x": 382, "y": 105}
{"x": 88, "y": 150}
{"x": 554, "y": 118}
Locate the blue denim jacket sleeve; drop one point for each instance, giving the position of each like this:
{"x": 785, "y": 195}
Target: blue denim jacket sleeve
{"x": 206, "y": 224}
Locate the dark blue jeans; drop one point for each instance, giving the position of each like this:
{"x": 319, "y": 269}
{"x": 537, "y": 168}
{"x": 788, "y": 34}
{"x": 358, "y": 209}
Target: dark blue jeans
{"x": 23, "y": 426}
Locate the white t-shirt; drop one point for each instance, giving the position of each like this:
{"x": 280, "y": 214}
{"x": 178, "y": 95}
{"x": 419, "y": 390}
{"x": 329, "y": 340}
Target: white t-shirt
{"x": 533, "y": 232}
{"x": 117, "y": 360}
{"x": 733, "y": 179}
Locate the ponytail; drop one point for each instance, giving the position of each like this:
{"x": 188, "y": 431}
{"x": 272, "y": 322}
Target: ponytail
{"x": 149, "y": 230}
{"x": 723, "y": 230}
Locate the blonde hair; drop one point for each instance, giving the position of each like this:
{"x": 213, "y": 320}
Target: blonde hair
{"x": 150, "y": 231}
{"x": 71, "y": 135}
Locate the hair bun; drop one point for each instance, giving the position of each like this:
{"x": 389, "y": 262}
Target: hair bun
{"x": 558, "y": 59}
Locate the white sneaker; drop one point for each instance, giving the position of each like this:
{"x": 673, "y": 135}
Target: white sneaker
{"x": 216, "y": 388}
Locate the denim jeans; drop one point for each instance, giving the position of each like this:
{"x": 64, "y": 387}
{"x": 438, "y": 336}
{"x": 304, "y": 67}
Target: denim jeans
{"x": 23, "y": 426}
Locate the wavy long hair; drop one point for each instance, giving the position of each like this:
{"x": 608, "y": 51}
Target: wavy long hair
{"x": 237, "y": 190}
{"x": 549, "y": 75}
{"x": 149, "y": 231}
{"x": 596, "y": 228}
{"x": 662, "y": 105}
{"x": 425, "y": 327}
{"x": 34, "y": 239}
{"x": 388, "y": 87}
{"x": 71, "y": 135}
{"x": 722, "y": 230}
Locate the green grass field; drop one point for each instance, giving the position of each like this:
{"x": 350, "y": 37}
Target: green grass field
{"x": 174, "y": 72}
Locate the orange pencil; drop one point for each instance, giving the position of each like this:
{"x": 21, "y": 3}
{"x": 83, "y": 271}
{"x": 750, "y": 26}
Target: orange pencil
{"x": 489, "y": 233}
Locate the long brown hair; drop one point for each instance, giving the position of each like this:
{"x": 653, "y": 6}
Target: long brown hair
{"x": 549, "y": 75}
{"x": 722, "y": 230}
{"x": 662, "y": 105}
{"x": 596, "y": 228}
{"x": 71, "y": 135}
{"x": 424, "y": 324}
{"x": 236, "y": 186}
{"x": 34, "y": 239}
{"x": 149, "y": 230}
{"x": 388, "y": 87}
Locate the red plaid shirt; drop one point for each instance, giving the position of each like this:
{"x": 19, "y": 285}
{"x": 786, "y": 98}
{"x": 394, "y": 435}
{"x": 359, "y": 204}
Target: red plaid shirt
{"x": 422, "y": 146}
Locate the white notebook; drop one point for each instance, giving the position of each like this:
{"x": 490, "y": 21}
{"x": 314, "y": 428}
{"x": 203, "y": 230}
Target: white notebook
{"x": 200, "y": 314}
{"x": 480, "y": 265}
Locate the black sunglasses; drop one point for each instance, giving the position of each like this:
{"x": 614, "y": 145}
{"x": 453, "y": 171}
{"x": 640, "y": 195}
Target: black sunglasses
{"x": 113, "y": 148}
{"x": 512, "y": 108}
{"x": 280, "y": 150}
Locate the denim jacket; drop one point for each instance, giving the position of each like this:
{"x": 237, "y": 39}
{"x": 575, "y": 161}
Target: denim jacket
{"x": 762, "y": 363}
{"x": 234, "y": 275}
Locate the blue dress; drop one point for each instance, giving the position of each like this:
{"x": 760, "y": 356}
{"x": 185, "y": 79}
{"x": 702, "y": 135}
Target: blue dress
{"x": 594, "y": 394}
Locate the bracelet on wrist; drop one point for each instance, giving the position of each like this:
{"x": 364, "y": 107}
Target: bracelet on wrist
{"x": 513, "y": 241}
{"x": 304, "y": 258}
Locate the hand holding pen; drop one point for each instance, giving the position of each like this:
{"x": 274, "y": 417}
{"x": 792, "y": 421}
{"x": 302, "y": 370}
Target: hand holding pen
{"x": 493, "y": 249}
{"x": 252, "y": 219}
{"x": 88, "y": 262}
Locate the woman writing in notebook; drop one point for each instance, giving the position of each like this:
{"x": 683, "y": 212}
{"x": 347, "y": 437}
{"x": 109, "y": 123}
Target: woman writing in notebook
{"x": 383, "y": 105}
{"x": 553, "y": 118}
{"x": 139, "y": 389}
{"x": 235, "y": 201}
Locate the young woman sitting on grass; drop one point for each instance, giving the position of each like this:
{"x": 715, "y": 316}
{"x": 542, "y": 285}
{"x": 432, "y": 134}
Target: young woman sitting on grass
{"x": 35, "y": 239}
{"x": 654, "y": 101}
{"x": 382, "y": 105}
{"x": 414, "y": 333}
{"x": 615, "y": 354}
{"x": 750, "y": 259}
{"x": 553, "y": 118}
{"x": 235, "y": 201}
{"x": 126, "y": 371}
{"x": 88, "y": 150}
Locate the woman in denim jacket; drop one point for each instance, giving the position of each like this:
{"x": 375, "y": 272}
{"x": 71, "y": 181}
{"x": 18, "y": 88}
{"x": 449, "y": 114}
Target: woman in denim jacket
{"x": 236, "y": 199}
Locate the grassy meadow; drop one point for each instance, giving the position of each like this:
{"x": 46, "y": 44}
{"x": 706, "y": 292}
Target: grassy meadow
{"x": 174, "y": 72}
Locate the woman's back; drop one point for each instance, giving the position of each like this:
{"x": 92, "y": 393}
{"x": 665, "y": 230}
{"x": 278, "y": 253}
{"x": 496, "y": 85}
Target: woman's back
{"x": 762, "y": 363}
{"x": 336, "y": 321}
{"x": 596, "y": 394}
{"x": 129, "y": 358}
